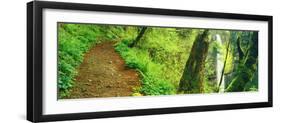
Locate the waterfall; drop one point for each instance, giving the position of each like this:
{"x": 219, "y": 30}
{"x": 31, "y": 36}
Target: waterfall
{"x": 220, "y": 64}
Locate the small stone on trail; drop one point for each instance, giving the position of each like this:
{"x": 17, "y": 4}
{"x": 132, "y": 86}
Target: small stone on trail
{"x": 87, "y": 84}
{"x": 110, "y": 62}
{"x": 108, "y": 86}
{"x": 89, "y": 80}
{"x": 83, "y": 89}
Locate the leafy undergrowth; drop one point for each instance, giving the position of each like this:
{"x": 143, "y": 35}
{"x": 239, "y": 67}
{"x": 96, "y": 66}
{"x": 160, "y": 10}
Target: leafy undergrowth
{"x": 152, "y": 81}
{"x": 74, "y": 40}
{"x": 160, "y": 57}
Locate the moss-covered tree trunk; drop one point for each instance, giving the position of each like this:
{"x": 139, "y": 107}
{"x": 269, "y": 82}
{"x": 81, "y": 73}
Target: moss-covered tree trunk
{"x": 223, "y": 69}
{"x": 247, "y": 68}
{"x": 240, "y": 51}
{"x": 193, "y": 75}
{"x": 140, "y": 35}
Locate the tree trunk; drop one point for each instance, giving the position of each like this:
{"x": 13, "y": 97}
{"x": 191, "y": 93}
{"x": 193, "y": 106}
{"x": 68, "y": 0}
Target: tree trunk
{"x": 224, "y": 64}
{"x": 193, "y": 75}
{"x": 140, "y": 35}
{"x": 240, "y": 51}
{"x": 246, "y": 69}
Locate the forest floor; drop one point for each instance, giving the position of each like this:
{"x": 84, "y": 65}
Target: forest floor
{"x": 103, "y": 74}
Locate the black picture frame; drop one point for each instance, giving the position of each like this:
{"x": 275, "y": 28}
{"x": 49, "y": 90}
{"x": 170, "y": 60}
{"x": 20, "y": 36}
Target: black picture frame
{"x": 35, "y": 69}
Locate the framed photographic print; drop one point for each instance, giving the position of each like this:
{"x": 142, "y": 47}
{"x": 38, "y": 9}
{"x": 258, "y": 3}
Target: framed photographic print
{"x": 94, "y": 61}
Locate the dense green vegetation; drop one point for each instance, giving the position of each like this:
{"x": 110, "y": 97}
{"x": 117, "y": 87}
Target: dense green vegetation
{"x": 73, "y": 41}
{"x": 168, "y": 60}
{"x": 159, "y": 56}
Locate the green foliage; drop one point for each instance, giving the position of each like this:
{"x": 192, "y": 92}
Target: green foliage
{"x": 209, "y": 86}
{"x": 252, "y": 85}
{"x": 152, "y": 83}
{"x": 159, "y": 56}
{"x": 246, "y": 78}
{"x": 246, "y": 72}
{"x": 73, "y": 41}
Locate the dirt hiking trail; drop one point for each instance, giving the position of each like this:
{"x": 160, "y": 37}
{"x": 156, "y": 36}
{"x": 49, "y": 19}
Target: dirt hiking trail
{"x": 103, "y": 74}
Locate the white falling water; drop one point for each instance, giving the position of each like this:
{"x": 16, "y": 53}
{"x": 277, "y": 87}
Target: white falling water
{"x": 220, "y": 64}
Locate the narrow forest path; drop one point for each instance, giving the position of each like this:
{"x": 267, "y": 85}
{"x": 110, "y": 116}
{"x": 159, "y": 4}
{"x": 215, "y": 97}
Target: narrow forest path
{"x": 103, "y": 74}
